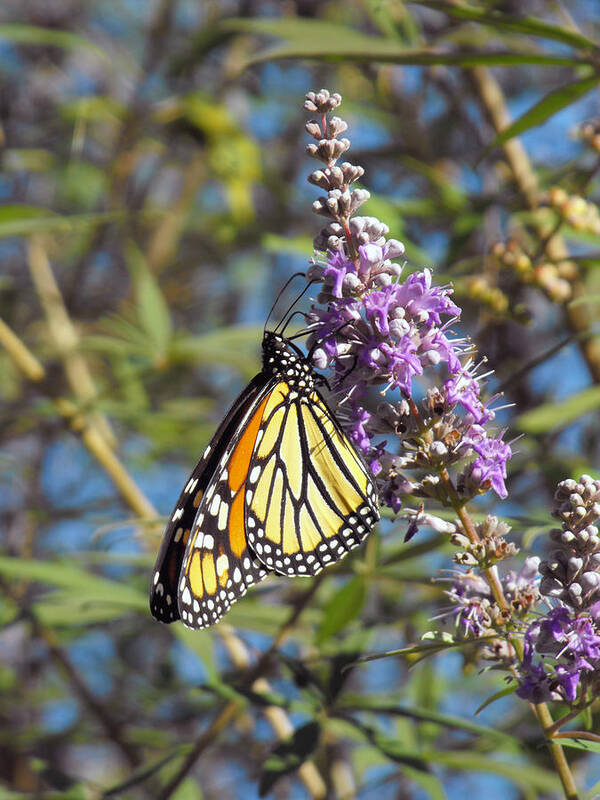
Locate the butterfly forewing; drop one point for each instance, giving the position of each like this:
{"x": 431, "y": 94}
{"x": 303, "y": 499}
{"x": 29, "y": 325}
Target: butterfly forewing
{"x": 310, "y": 498}
{"x": 166, "y": 573}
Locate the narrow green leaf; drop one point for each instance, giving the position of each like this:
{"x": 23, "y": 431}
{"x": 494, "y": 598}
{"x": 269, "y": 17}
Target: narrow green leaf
{"x": 578, "y": 743}
{"x": 588, "y": 299}
{"x": 464, "y": 761}
{"x": 529, "y": 26}
{"x": 28, "y": 222}
{"x": 551, "y": 416}
{"x": 65, "y": 610}
{"x": 49, "y": 37}
{"x": 345, "y": 605}
{"x": 549, "y": 104}
{"x": 329, "y": 42}
{"x": 145, "y": 772}
{"x": 385, "y": 705}
{"x": 66, "y": 575}
{"x": 496, "y": 696}
{"x": 152, "y": 309}
{"x": 427, "y": 781}
{"x": 289, "y": 755}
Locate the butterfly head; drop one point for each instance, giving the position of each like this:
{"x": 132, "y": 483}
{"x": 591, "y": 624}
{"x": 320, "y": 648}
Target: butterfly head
{"x": 283, "y": 359}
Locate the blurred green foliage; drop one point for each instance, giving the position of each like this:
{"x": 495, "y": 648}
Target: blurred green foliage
{"x": 154, "y": 152}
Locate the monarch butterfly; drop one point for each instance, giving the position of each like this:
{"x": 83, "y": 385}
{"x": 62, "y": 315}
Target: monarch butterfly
{"x": 280, "y": 488}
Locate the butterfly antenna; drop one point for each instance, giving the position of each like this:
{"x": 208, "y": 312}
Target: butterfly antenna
{"x": 288, "y": 321}
{"x": 282, "y": 321}
{"x": 279, "y": 293}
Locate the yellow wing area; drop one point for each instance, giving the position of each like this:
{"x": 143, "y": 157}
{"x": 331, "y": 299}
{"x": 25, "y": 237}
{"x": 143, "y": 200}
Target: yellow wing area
{"x": 310, "y": 499}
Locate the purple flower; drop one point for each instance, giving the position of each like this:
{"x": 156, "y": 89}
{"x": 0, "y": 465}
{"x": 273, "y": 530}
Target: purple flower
{"x": 338, "y": 267}
{"x": 572, "y": 641}
{"x": 435, "y": 347}
{"x": 568, "y": 678}
{"x": 378, "y": 306}
{"x": 490, "y": 464}
{"x": 425, "y": 302}
{"x": 463, "y": 388}
{"x": 534, "y": 684}
{"x": 402, "y": 363}
{"x": 358, "y": 434}
{"x": 470, "y": 596}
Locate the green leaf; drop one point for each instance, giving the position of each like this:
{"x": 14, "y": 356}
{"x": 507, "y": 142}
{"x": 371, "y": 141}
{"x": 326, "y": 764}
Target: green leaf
{"x": 84, "y": 585}
{"x": 464, "y": 761}
{"x": 289, "y": 755}
{"x": 385, "y": 704}
{"x": 49, "y": 37}
{"x": 64, "y": 609}
{"x": 345, "y": 605}
{"x": 426, "y": 781}
{"x": 549, "y": 104}
{"x": 529, "y": 26}
{"x": 153, "y": 311}
{"x": 26, "y": 220}
{"x": 588, "y": 299}
{"x": 329, "y": 42}
{"x": 236, "y": 346}
{"x": 578, "y": 743}
{"x": 145, "y": 772}
{"x": 551, "y": 416}
{"x": 496, "y": 696}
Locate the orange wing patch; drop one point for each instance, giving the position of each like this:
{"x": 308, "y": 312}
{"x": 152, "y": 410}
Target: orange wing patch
{"x": 218, "y": 568}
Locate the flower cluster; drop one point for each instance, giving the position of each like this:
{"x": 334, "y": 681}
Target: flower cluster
{"x": 376, "y": 330}
{"x": 562, "y": 648}
{"x": 474, "y": 609}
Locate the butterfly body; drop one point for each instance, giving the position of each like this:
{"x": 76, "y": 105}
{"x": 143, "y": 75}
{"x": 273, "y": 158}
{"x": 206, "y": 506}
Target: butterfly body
{"x": 279, "y": 489}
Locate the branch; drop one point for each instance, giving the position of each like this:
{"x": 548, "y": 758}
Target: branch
{"x": 63, "y": 334}
{"x": 579, "y": 319}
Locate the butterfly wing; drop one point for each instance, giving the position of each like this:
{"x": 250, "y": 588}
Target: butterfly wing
{"x": 218, "y": 566}
{"x": 310, "y": 498}
{"x": 167, "y": 570}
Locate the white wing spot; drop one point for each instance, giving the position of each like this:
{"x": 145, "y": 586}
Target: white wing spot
{"x": 178, "y": 513}
{"x": 186, "y": 597}
{"x": 178, "y": 534}
{"x": 222, "y": 564}
{"x": 208, "y": 542}
{"x": 253, "y": 477}
{"x": 223, "y": 515}
{"x": 191, "y": 485}
{"x": 214, "y": 506}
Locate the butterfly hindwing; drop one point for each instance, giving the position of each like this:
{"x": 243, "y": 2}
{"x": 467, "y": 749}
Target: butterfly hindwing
{"x": 218, "y": 567}
{"x": 310, "y": 498}
{"x": 166, "y": 573}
